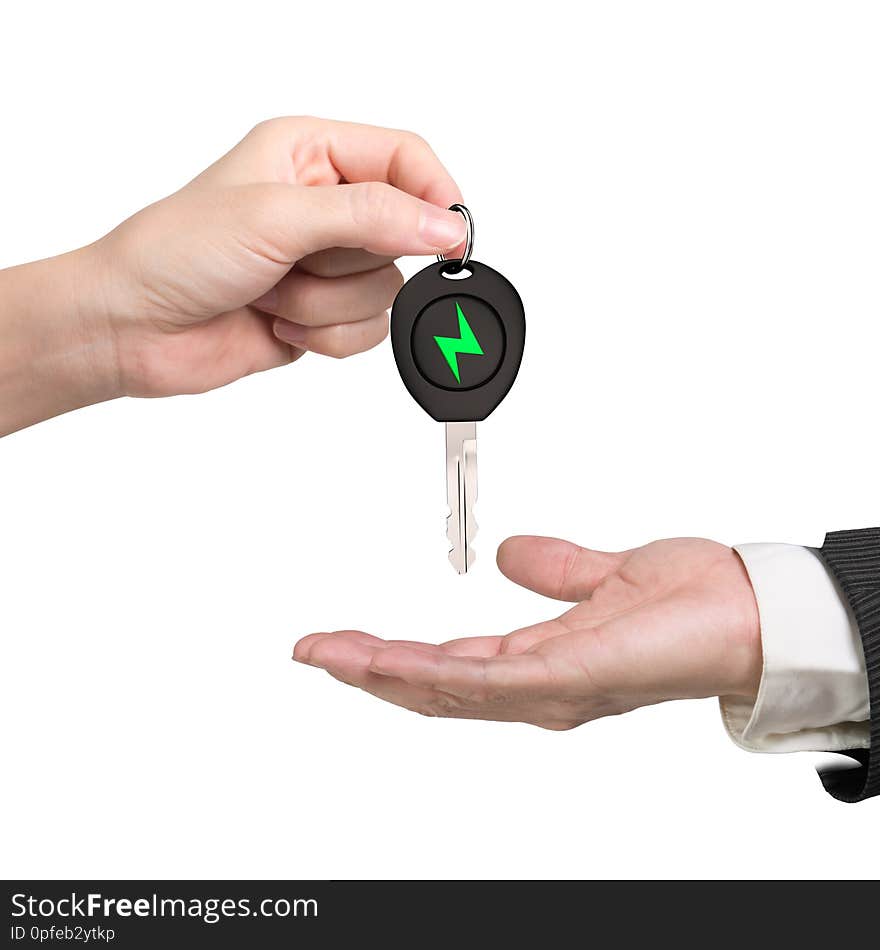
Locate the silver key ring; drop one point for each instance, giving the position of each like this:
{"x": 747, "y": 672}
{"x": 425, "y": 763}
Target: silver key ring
{"x": 468, "y": 241}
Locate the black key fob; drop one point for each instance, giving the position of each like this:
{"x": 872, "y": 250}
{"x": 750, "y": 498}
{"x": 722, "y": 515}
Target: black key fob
{"x": 458, "y": 331}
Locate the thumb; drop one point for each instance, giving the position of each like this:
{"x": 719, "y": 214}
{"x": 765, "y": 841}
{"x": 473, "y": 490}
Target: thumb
{"x": 556, "y": 568}
{"x": 374, "y": 216}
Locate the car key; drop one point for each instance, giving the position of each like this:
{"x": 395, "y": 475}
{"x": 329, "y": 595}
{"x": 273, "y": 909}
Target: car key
{"x": 458, "y": 331}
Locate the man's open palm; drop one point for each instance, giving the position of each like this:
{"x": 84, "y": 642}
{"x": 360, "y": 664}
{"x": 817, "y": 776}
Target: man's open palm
{"x": 672, "y": 620}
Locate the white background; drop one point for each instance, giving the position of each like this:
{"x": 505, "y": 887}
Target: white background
{"x": 686, "y": 195}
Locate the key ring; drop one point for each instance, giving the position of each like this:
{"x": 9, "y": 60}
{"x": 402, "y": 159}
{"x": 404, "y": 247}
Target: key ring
{"x": 468, "y": 241}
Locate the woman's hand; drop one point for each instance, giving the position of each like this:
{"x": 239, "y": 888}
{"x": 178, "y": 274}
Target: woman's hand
{"x": 284, "y": 245}
{"x": 671, "y": 620}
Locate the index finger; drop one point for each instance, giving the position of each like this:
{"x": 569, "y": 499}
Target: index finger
{"x": 310, "y": 151}
{"x": 403, "y": 159}
{"x": 363, "y": 153}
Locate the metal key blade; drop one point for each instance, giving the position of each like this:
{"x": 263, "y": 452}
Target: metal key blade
{"x": 461, "y": 492}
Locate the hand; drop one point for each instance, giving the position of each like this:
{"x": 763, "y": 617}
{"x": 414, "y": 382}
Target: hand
{"x": 284, "y": 245}
{"x": 671, "y": 620}
{"x": 301, "y": 221}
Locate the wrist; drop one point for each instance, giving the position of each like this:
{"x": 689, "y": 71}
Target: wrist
{"x": 58, "y": 350}
{"x": 747, "y": 656}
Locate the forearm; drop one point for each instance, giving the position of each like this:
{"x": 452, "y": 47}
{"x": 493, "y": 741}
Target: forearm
{"x": 56, "y": 343}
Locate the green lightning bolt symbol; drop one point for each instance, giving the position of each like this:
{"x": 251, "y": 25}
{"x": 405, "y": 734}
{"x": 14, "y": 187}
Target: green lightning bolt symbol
{"x": 465, "y": 342}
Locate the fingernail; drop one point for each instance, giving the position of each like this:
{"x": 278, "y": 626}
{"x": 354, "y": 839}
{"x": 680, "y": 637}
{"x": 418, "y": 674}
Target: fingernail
{"x": 269, "y": 300}
{"x": 441, "y": 229}
{"x": 290, "y": 332}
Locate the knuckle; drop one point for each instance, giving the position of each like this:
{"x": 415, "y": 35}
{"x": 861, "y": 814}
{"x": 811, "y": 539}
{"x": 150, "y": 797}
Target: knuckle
{"x": 415, "y": 140}
{"x": 384, "y": 287}
{"x": 263, "y": 127}
{"x": 266, "y": 131}
{"x": 278, "y": 125}
{"x": 395, "y": 282}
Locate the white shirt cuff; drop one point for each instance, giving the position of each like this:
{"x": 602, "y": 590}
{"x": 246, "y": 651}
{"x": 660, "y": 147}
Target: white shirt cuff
{"x": 814, "y": 688}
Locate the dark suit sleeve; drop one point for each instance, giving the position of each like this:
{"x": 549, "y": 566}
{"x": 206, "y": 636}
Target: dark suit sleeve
{"x": 853, "y": 557}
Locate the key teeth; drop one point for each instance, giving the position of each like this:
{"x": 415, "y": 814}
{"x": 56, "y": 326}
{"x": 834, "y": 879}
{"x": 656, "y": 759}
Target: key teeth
{"x": 471, "y": 551}
{"x": 473, "y": 528}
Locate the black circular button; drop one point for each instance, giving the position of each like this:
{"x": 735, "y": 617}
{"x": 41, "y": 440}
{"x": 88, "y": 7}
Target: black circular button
{"x": 458, "y": 342}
